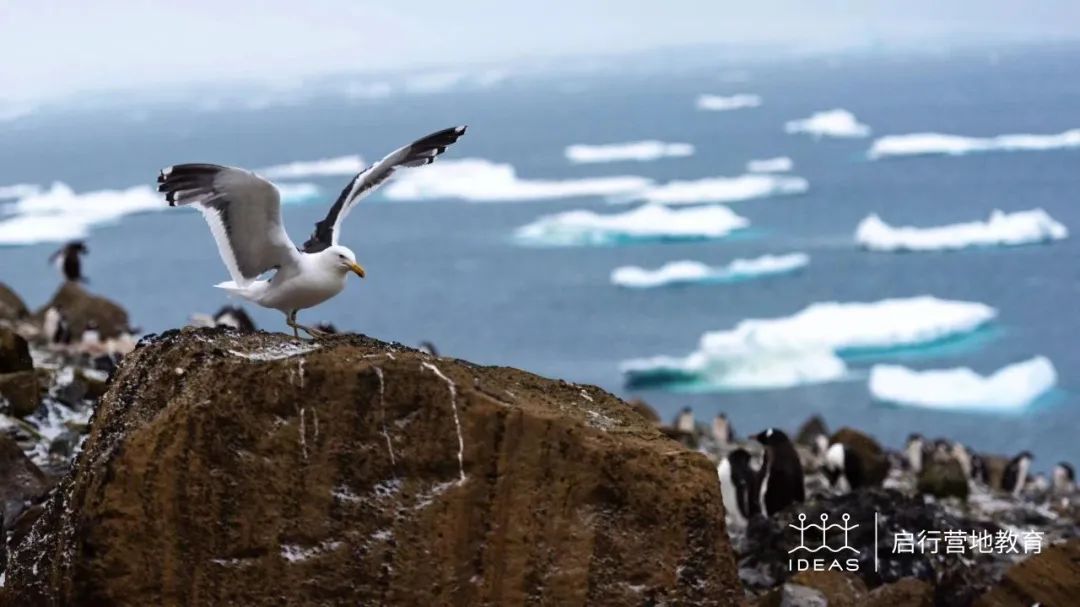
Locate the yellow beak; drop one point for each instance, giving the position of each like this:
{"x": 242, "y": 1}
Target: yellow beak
{"x": 355, "y": 267}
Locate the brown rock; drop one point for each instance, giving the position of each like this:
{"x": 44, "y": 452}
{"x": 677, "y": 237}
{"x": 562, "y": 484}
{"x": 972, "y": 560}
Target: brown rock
{"x": 14, "y": 352}
{"x": 906, "y": 592}
{"x": 20, "y": 480}
{"x": 943, "y": 477}
{"x": 1049, "y": 578}
{"x": 80, "y": 307}
{"x": 841, "y": 589}
{"x": 645, "y": 410}
{"x": 227, "y": 468}
{"x": 11, "y": 305}
{"x": 21, "y": 392}
{"x": 875, "y": 463}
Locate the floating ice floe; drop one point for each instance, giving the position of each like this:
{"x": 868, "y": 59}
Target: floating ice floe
{"x": 59, "y": 213}
{"x": 646, "y": 223}
{"x": 830, "y": 123}
{"x": 326, "y": 167}
{"x": 780, "y": 164}
{"x": 1010, "y": 388}
{"x": 1001, "y": 229}
{"x": 723, "y": 189}
{"x": 641, "y": 151}
{"x": 479, "y": 180}
{"x": 18, "y": 190}
{"x": 720, "y": 103}
{"x": 921, "y": 144}
{"x": 695, "y": 272}
{"x": 809, "y": 346}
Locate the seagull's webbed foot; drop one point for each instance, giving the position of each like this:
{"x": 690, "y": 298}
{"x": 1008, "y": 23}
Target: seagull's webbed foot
{"x": 290, "y": 319}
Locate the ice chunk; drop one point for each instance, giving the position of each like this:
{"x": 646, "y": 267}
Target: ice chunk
{"x": 688, "y": 272}
{"x": 723, "y": 189}
{"x": 808, "y": 346}
{"x": 830, "y": 123}
{"x": 646, "y": 223}
{"x": 920, "y": 144}
{"x": 479, "y": 180}
{"x": 720, "y": 103}
{"x": 780, "y": 164}
{"x": 1001, "y": 229}
{"x": 325, "y": 167}
{"x": 641, "y": 151}
{"x": 1010, "y": 388}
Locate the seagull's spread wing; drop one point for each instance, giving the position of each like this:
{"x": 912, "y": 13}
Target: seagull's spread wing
{"x": 244, "y": 213}
{"x": 420, "y": 152}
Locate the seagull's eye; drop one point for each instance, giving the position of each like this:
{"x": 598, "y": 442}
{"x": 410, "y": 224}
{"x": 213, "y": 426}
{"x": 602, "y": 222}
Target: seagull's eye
{"x": 341, "y": 256}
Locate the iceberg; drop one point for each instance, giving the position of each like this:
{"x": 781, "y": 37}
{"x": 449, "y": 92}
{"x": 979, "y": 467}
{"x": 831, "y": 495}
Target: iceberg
{"x": 645, "y": 223}
{"x": 325, "y": 167}
{"x": 720, "y": 103}
{"x": 18, "y": 190}
{"x": 692, "y": 272}
{"x": 922, "y": 144}
{"x": 830, "y": 123}
{"x": 641, "y": 151}
{"x": 1011, "y": 388}
{"x": 1001, "y": 229}
{"x": 723, "y": 189}
{"x": 809, "y": 346}
{"x": 60, "y": 214}
{"x": 780, "y": 164}
{"x": 479, "y": 180}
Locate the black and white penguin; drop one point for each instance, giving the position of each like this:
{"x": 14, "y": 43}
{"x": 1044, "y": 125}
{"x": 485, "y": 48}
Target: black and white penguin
{"x": 978, "y": 469}
{"x": 723, "y": 433}
{"x": 738, "y": 487}
{"x": 91, "y": 336}
{"x": 234, "y": 317}
{"x": 914, "y": 451}
{"x": 1016, "y": 473}
{"x": 68, "y": 260}
{"x": 55, "y": 326}
{"x": 427, "y": 346}
{"x": 781, "y": 475}
{"x": 843, "y": 468}
{"x": 1064, "y": 479}
{"x": 961, "y": 454}
{"x": 327, "y": 328}
{"x": 684, "y": 422}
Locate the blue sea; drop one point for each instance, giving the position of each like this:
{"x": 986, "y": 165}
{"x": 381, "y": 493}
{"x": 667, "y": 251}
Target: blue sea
{"x": 450, "y": 272}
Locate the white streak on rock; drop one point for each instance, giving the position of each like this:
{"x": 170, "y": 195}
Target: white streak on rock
{"x": 457, "y": 420}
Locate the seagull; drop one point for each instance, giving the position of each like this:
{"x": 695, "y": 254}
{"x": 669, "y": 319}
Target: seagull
{"x": 243, "y": 211}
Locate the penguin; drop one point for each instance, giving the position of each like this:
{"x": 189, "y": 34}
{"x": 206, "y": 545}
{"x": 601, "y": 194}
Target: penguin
{"x": 843, "y": 468}
{"x": 91, "y": 337}
{"x": 722, "y": 431}
{"x": 781, "y": 475}
{"x": 961, "y": 454}
{"x": 55, "y": 327}
{"x": 685, "y": 421}
{"x": 427, "y": 346}
{"x": 1016, "y": 473}
{"x": 67, "y": 260}
{"x": 913, "y": 452}
{"x": 738, "y": 487}
{"x": 1064, "y": 478}
{"x": 234, "y": 317}
{"x": 979, "y": 471}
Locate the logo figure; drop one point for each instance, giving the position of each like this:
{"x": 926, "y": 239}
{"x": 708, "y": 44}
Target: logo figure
{"x": 824, "y": 527}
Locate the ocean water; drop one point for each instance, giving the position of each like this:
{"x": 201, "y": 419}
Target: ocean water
{"x": 449, "y": 271}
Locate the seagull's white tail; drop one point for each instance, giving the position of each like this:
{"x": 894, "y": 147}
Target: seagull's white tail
{"x": 249, "y": 292}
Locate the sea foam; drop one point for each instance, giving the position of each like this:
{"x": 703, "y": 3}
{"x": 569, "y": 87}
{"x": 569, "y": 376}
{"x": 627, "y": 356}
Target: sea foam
{"x": 1010, "y": 388}
{"x": 720, "y": 103}
{"x": 640, "y": 151}
{"x": 809, "y": 346}
{"x": 1001, "y": 229}
{"x": 921, "y": 144}
{"x": 830, "y": 123}
{"x": 645, "y": 223}
{"x": 479, "y": 180}
{"x": 695, "y": 272}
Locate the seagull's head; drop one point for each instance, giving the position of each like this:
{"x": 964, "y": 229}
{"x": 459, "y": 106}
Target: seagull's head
{"x": 342, "y": 259}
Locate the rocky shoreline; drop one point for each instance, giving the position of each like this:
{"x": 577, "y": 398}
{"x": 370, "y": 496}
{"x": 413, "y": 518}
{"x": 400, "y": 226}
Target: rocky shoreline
{"x": 209, "y": 466}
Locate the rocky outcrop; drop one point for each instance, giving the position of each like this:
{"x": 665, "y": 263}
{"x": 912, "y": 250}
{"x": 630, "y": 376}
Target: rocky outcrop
{"x": 20, "y": 391}
{"x": 908, "y": 592}
{"x": 21, "y": 482}
{"x": 872, "y": 458}
{"x": 12, "y": 307}
{"x": 14, "y": 352}
{"x": 814, "y": 588}
{"x": 1049, "y": 578}
{"x": 253, "y": 469}
{"x": 943, "y": 477}
{"x": 81, "y": 308}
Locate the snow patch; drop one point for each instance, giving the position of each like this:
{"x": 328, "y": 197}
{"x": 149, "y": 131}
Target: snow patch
{"x": 922, "y": 144}
{"x": 721, "y": 103}
{"x": 1013, "y": 387}
{"x": 646, "y": 223}
{"x": 479, "y": 180}
{"x": 808, "y": 346}
{"x": 691, "y": 272}
{"x": 780, "y": 164}
{"x": 641, "y": 151}
{"x": 830, "y": 123}
{"x": 1001, "y": 229}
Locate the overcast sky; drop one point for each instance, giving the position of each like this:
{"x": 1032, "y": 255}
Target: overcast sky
{"x": 50, "y": 47}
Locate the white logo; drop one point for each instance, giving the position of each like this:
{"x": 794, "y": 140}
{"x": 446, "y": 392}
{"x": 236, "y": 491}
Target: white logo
{"x": 819, "y": 542}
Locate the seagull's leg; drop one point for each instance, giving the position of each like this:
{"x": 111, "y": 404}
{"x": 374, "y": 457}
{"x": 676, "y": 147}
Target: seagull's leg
{"x": 314, "y": 333}
{"x": 290, "y": 319}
